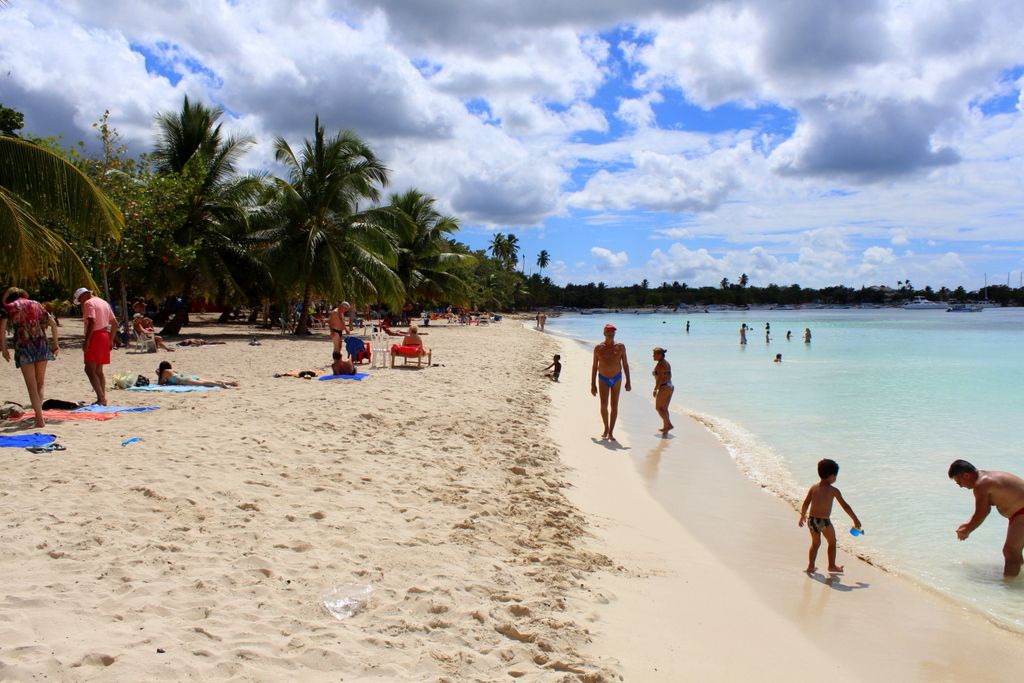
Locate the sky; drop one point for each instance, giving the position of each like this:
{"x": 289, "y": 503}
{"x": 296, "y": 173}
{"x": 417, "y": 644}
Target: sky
{"x": 816, "y": 142}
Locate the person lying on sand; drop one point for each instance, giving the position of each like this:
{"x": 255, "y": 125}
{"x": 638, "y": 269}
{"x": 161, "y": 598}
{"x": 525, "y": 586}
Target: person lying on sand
{"x": 304, "y": 374}
{"x": 196, "y": 341}
{"x": 165, "y": 374}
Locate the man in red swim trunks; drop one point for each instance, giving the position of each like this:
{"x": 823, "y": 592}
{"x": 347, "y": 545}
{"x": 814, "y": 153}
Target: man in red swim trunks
{"x": 100, "y": 327}
{"x": 1006, "y": 492}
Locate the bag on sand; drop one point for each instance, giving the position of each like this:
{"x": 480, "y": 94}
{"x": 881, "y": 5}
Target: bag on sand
{"x": 142, "y": 381}
{"x": 123, "y": 380}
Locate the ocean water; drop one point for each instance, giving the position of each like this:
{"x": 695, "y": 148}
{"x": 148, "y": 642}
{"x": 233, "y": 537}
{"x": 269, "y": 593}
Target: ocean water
{"x": 893, "y": 396}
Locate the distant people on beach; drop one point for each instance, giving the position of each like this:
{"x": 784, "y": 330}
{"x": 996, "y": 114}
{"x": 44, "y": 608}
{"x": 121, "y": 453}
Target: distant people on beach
{"x": 338, "y": 324}
{"x": 100, "y": 331}
{"x": 199, "y": 341}
{"x": 555, "y": 369}
{"x": 412, "y": 338}
{"x": 778, "y": 358}
{"x": 29, "y": 321}
{"x": 743, "y": 334}
{"x": 807, "y": 335}
{"x": 687, "y": 327}
{"x": 819, "y": 504}
{"x": 166, "y": 375}
{"x": 340, "y": 366}
{"x": 991, "y": 488}
{"x": 143, "y": 325}
{"x": 663, "y": 389}
{"x": 609, "y": 366}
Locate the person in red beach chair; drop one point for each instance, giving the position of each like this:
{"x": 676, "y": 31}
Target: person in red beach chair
{"x": 411, "y": 347}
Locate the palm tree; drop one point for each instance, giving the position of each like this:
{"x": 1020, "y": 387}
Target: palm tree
{"x": 36, "y": 184}
{"x": 512, "y": 243}
{"x": 423, "y": 249}
{"x": 218, "y": 202}
{"x": 499, "y": 248}
{"x": 318, "y": 240}
{"x": 543, "y": 259}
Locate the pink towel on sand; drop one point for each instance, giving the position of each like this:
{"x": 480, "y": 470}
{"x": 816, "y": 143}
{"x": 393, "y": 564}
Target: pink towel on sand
{"x": 65, "y": 415}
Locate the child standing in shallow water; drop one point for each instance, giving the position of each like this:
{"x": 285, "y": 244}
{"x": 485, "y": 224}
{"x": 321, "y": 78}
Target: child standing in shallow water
{"x": 819, "y": 500}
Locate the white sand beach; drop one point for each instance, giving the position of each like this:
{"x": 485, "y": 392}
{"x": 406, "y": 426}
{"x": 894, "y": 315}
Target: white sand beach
{"x": 501, "y": 541}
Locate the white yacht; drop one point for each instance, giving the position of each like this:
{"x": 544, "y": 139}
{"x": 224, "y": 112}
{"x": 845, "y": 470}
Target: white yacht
{"x": 919, "y": 303}
{"x": 965, "y": 308}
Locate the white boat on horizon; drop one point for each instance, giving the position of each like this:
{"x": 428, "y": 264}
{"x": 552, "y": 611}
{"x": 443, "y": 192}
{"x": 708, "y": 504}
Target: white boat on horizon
{"x": 919, "y": 303}
{"x": 965, "y": 308}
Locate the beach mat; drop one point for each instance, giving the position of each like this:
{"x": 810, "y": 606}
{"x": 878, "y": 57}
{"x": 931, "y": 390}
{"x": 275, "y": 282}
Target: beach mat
{"x": 173, "y": 388}
{"x": 66, "y": 415}
{"x": 26, "y": 440}
{"x": 358, "y": 376}
{"x": 115, "y": 409}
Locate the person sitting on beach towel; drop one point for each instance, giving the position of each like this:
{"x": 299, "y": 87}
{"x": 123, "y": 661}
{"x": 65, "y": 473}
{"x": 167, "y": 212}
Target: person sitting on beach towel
{"x": 341, "y": 366}
{"x": 165, "y": 374}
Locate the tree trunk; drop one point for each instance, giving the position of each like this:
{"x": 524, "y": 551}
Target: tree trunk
{"x": 180, "y": 319}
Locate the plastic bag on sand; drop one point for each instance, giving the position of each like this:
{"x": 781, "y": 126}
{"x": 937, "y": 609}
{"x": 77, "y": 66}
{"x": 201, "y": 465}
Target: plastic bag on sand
{"x": 345, "y": 600}
{"x": 123, "y": 380}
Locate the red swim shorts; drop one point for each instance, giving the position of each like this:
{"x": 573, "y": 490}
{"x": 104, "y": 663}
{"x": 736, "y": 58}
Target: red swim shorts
{"x": 98, "y": 350}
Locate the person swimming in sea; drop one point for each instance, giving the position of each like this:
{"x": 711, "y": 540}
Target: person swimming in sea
{"x": 610, "y": 365}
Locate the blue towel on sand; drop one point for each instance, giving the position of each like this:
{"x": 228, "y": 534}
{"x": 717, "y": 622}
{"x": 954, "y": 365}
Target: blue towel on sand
{"x": 174, "y": 388}
{"x": 115, "y": 409}
{"x": 359, "y": 375}
{"x": 26, "y": 440}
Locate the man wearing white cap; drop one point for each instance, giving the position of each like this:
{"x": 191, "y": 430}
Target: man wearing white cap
{"x": 100, "y": 326}
{"x": 338, "y": 324}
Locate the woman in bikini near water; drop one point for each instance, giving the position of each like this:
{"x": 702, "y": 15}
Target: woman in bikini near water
{"x": 663, "y": 389}
{"x": 609, "y": 366}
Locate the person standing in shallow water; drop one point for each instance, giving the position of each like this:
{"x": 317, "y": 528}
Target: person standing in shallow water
{"x": 1005, "y": 492}
{"x": 663, "y": 389}
{"x": 610, "y": 365}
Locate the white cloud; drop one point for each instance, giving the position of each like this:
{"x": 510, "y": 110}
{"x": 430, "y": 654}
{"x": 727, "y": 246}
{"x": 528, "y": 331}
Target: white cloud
{"x": 608, "y": 259}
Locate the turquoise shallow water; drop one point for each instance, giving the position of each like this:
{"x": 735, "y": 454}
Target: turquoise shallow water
{"x": 894, "y": 396}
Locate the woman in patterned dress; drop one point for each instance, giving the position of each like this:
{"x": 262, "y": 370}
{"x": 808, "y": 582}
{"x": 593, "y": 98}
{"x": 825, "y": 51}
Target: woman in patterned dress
{"x": 28, "y": 320}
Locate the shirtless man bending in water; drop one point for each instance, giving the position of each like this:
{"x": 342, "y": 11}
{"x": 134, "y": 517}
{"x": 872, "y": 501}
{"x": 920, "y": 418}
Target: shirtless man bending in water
{"x": 609, "y": 366}
{"x": 1006, "y": 492}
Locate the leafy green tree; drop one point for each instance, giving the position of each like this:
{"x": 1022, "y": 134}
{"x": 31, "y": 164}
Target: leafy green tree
{"x": 317, "y": 241}
{"x": 211, "y": 255}
{"x": 11, "y": 121}
{"x": 37, "y": 185}
{"x": 424, "y": 260}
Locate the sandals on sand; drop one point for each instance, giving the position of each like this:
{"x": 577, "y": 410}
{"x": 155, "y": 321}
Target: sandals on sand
{"x": 48, "y": 448}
